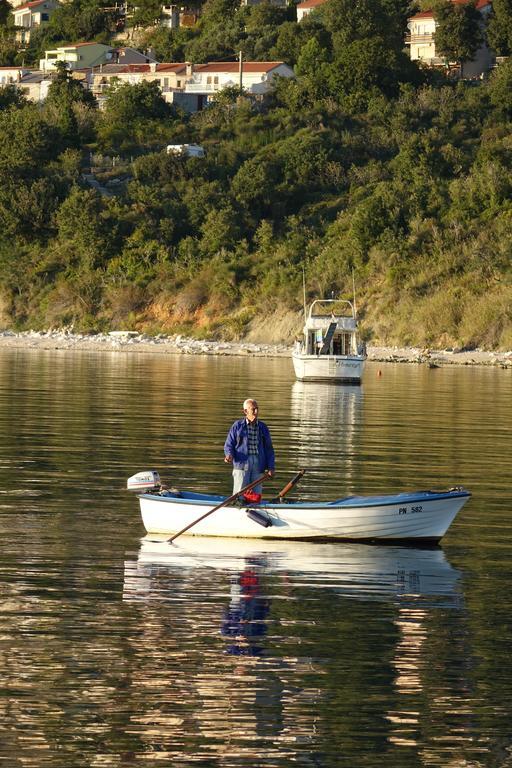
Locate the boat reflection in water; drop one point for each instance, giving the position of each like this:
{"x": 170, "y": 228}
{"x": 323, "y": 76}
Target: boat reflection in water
{"x": 352, "y": 570}
{"x": 324, "y": 424}
{"x": 281, "y": 628}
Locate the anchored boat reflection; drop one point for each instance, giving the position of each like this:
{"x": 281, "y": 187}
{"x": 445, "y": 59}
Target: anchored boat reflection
{"x": 324, "y": 423}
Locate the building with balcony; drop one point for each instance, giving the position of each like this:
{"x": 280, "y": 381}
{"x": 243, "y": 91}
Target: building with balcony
{"x": 255, "y": 77}
{"x": 77, "y": 56}
{"x": 30, "y": 16}
{"x": 422, "y": 46}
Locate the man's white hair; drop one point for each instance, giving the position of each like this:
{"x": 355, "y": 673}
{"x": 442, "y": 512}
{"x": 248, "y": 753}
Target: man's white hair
{"x": 250, "y": 400}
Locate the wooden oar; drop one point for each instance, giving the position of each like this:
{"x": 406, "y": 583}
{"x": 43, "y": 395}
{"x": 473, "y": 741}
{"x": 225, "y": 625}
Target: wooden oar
{"x": 282, "y": 493}
{"x": 225, "y": 503}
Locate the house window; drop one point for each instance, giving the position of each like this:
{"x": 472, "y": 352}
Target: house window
{"x": 45, "y": 17}
{"x": 178, "y": 83}
{"x": 209, "y": 80}
{"x": 166, "y": 82}
{"x": 216, "y": 80}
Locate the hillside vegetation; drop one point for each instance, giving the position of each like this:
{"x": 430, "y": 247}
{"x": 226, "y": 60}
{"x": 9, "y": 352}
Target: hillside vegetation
{"x": 363, "y": 168}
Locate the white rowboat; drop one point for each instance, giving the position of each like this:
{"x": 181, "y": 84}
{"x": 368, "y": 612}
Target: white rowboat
{"x": 420, "y": 516}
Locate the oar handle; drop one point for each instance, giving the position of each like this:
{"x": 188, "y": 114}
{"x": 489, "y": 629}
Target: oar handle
{"x": 227, "y": 501}
{"x": 290, "y": 485}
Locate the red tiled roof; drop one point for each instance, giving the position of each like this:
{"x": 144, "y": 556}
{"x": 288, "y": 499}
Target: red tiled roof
{"x": 25, "y": 6}
{"x": 174, "y": 67}
{"x": 311, "y": 3}
{"x": 81, "y": 45}
{"x": 78, "y": 45}
{"x": 430, "y": 14}
{"x": 479, "y": 4}
{"x": 233, "y": 66}
{"x": 127, "y": 68}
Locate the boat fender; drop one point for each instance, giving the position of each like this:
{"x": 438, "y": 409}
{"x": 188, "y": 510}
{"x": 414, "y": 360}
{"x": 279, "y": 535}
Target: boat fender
{"x": 259, "y": 517}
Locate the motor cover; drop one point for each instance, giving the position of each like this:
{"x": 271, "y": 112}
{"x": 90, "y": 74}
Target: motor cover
{"x": 148, "y": 480}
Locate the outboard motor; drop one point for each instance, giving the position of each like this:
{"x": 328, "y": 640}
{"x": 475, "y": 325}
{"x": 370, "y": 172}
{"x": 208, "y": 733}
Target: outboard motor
{"x": 144, "y": 482}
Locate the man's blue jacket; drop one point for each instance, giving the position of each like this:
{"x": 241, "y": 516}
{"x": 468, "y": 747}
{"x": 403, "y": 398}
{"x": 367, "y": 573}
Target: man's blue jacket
{"x": 237, "y": 446}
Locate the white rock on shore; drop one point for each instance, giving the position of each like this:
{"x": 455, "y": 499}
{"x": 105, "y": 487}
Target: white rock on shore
{"x": 131, "y": 341}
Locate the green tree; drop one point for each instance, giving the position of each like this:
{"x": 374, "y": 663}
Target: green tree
{"x": 147, "y": 13}
{"x": 311, "y": 58}
{"x": 364, "y": 66}
{"x": 500, "y": 89}
{"x": 221, "y": 30}
{"x": 89, "y": 229}
{"x": 168, "y": 44}
{"x": 128, "y": 114}
{"x": 28, "y": 143}
{"x": 10, "y": 96}
{"x": 219, "y": 231}
{"x": 5, "y": 10}
{"x": 78, "y": 20}
{"x": 254, "y": 184}
{"x": 64, "y": 94}
{"x": 458, "y": 34}
{"x": 499, "y": 28}
{"x": 348, "y": 21}
{"x": 8, "y": 47}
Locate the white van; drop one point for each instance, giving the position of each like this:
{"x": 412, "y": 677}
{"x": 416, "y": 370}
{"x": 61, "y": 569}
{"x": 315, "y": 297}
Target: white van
{"x": 190, "y": 150}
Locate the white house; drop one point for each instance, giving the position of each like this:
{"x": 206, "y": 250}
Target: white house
{"x": 32, "y": 15}
{"x": 305, "y": 8}
{"x": 12, "y": 75}
{"x": 421, "y": 42}
{"x": 34, "y": 86}
{"x": 77, "y": 56}
{"x": 255, "y": 76}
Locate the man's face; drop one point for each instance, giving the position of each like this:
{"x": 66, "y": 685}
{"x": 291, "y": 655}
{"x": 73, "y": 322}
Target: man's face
{"x": 251, "y": 412}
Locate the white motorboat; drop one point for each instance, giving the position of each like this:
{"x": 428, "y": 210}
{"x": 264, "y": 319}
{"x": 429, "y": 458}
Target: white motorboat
{"x": 418, "y": 516}
{"x": 330, "y": 350}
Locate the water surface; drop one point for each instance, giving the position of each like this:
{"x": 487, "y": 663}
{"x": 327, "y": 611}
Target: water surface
{"x": 118, "y": 652}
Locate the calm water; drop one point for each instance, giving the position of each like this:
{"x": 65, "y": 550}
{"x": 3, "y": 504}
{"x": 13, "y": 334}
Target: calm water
{"x": 115, "y": 652}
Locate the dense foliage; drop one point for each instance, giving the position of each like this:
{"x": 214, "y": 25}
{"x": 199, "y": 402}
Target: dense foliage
{"x": 362, "y": 167}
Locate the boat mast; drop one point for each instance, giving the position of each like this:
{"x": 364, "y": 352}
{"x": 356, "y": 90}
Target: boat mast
{"x": 354, "y": 292}
{"x": 304, "y": 291}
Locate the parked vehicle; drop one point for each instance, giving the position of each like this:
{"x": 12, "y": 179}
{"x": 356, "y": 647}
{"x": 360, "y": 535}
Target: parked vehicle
{"x": 187, "y": 150}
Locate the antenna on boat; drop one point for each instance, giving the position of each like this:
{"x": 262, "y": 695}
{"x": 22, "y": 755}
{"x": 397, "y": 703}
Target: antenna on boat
{"x": 304, "y": 291}
{"x": 354, "y": 291}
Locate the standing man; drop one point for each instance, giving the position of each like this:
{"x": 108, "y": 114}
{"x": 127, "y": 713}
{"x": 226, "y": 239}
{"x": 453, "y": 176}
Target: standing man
{"x": 248, "y": 448}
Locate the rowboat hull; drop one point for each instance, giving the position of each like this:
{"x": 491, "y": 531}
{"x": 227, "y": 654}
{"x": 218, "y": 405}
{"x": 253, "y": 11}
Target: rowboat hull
{"x": 424, "y": 516}
{"x": 341, "y": 369}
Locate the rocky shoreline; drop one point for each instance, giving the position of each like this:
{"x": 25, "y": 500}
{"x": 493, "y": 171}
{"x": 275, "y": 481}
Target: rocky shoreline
{"x": 130, "y": 341}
